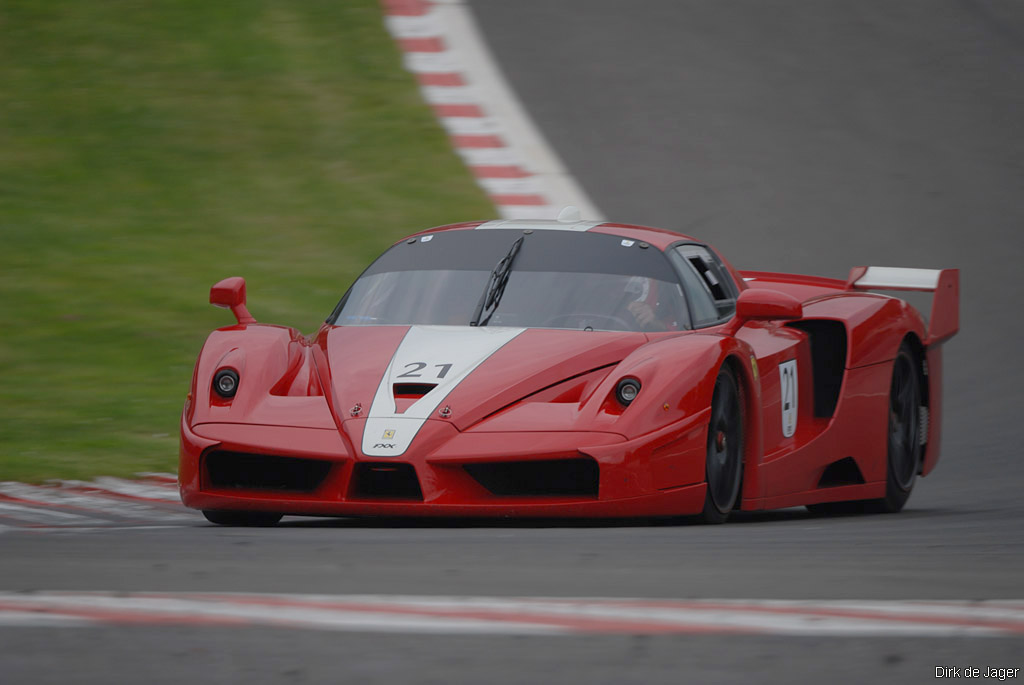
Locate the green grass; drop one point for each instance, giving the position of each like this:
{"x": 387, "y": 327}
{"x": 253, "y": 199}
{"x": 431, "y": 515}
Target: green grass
{"x": 148, "y": 150}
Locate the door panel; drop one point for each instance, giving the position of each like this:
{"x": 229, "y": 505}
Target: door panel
{"x": 794, "y": 440}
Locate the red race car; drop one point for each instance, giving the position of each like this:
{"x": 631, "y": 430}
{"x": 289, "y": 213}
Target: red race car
{"x": 570, "y": 369}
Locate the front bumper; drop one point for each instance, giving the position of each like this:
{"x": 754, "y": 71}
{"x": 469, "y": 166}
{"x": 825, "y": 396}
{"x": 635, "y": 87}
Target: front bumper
{"x": 447, "y": 467}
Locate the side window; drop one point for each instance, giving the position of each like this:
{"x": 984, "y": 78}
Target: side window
{"x": 709, "y": 285}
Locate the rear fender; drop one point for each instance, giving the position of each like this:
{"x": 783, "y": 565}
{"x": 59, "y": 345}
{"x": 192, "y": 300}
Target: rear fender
{"x": 876, "y": 325}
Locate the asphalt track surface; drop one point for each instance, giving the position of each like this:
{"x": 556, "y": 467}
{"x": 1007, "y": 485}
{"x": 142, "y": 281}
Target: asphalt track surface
{"x": 802, "y": 136}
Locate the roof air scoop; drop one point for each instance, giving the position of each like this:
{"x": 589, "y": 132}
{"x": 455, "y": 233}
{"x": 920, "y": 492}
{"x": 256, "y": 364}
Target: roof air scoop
{"x": 570, "y": 214}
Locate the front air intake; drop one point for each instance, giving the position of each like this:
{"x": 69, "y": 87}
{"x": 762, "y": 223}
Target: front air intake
{"x": 553, "y": 477}
{"x": 412, "y": 391}
{"x": 241, "y": 471}
{"x": 389, "y": 480}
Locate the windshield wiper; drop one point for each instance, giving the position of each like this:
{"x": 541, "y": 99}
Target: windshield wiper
{"x": 495, "y": 286}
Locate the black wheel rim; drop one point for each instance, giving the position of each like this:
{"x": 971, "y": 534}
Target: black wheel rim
{"x": 724, "y": 445}
{"x": 904, "y": 440}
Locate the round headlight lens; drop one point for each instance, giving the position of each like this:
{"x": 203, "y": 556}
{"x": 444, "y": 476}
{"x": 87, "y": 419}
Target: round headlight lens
{"x": 627, "y": 390}
{"x": 225, "y": 382}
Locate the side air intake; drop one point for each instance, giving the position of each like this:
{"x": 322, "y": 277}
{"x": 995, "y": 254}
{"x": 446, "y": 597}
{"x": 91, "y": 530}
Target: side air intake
{"x": 842, "y": 472}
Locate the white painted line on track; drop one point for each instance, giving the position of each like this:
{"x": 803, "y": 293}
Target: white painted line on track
{"x": 30, "y": 619}
{"x": 160, "y": 477}
{"x": 500, "y": 615}
{"x": 432, "y": 63}
{"x": 450, "y": 95}
{"x": 472, "y": 126}
{"x": 112, "y": 528}
{"x": 41, "y": 516}
{"x": 505, "y": 186}
{"x": 131, "y": 488}
{"x": 101, "y": 504}
{"x": 495, "y": 156}
{"x": 458, "y": 76}
{"x": 94, "y": 504}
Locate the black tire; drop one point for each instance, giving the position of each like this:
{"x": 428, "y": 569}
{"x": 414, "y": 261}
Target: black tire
{"x": 904, "y": 434}
{"x": 242, "y": 518}
{"x": 723, "y": 467}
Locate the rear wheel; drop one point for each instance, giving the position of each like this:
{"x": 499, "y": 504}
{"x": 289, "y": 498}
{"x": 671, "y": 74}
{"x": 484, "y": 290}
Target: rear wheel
{"x": 241, "y": 518}
{"x": 904, "y": 435}
{"x": 904, "y": 443}
{"x": 724, "y": 463}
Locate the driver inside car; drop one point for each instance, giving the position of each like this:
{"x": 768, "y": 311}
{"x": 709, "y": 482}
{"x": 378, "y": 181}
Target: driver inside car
{"x": 649, "y": 312}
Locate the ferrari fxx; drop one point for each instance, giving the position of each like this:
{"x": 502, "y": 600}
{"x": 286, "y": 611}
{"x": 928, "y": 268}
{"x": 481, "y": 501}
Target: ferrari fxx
{"x": 570, "y": 369}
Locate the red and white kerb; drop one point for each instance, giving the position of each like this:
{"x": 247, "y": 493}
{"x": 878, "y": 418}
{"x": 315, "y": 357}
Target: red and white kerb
{"x": 487, "y": 127}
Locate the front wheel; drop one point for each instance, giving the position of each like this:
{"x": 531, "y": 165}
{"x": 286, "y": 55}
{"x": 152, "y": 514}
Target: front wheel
{"x": 724, "y": 463}
{"x": 242, "y": 518}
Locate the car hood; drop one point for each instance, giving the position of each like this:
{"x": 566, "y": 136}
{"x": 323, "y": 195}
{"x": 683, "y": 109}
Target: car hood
{"x": 392, "y": 379}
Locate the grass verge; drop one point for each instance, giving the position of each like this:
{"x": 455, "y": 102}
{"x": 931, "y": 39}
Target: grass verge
{"x": 148, "y": 150}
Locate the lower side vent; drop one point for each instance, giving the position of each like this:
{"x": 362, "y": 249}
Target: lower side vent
{"x": 237, "y": 470}
{"x": 386, "y": 479}
{"x": 573, "y": 477}
{"x": 842, "y": 472}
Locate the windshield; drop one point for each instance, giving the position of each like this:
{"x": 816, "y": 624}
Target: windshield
{"x": 560, "y": 279}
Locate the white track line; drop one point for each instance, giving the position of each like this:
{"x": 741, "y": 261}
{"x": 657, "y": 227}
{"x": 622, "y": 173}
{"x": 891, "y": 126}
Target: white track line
{"x": 92, "y": 505}
{"x": 95, "y": 504}
{"x": 487, "y": 124}
{"x": 497, "y": 615}
{"x": 129, "y": 488}
{"x": 30, "y": 515}
{"x": 29, "y": 619}
{"x": 168, "y": 479}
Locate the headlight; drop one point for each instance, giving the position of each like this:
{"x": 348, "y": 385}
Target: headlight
{"x": 225, "y": 382}
{"x": 627, "y": 390}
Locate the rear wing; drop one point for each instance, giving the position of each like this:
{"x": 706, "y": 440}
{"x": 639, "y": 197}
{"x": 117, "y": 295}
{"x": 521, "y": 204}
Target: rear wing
{"x": 944, "y": 321}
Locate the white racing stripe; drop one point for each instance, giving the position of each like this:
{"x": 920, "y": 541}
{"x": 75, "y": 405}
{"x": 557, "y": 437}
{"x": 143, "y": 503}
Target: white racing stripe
{"x": 438, "y": 355}
{"x": 498, "y": 615}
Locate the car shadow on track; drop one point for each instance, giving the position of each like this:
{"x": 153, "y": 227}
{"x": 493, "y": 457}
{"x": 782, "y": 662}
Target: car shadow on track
{"x": 742, "y": 518}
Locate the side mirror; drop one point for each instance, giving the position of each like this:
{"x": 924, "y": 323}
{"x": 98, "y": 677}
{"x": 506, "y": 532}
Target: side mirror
{"x": 230, "y": 294}
{"x": 759, "y": 304}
